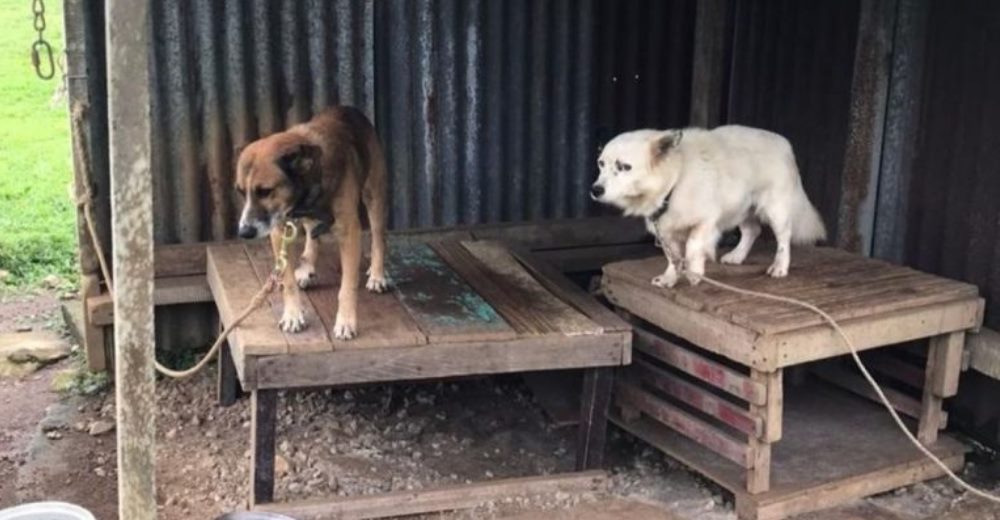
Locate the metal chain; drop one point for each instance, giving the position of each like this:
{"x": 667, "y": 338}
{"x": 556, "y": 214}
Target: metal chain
{"x": 41, "y": 51}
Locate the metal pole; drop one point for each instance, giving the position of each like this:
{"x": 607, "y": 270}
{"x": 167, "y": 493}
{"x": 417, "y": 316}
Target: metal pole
{"x": 128, "y": 28}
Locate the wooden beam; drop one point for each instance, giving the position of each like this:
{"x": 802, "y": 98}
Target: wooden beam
{"x": 594, "y": 405}
{"x": 451, "y": 498}
{"x": 715, "y": 374}
{"x": 128, "y": 42}
{"x": 683, "y": 423}
{"x": 92, "y": 332}
{"x": 263, "y": 417}
{"x": 709, "y": 67}
{"x": 948, "y": 365}
{"x": 166, "y": 291}
{"x": 698, "y": 398}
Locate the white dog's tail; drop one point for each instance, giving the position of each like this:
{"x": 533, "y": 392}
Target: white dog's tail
{"x": 807, "y": 225}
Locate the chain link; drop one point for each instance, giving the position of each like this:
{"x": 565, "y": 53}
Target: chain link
{"x": 41, "y": 51}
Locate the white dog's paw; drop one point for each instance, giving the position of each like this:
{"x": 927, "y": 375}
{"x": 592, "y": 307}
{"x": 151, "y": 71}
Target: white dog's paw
{"x": 377, "y": 284}
{"x": 777, "y": 270}
{"x": 665, "y": 280}
{"x": 344, "y": 330}
{"x": 734, "y": 257}
{"x": 693, "y": 278}
{"x": 292, "y": 320}
{"x": 305, "y": 275}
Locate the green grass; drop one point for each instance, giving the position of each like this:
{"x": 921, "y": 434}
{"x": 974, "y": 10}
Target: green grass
{"x": 37, "y": 218}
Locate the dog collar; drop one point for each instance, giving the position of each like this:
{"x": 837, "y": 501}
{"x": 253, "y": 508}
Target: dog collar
{"x": 660, "y": 210}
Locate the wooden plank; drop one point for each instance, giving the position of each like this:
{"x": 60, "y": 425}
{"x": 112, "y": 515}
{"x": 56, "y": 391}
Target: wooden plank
{"x": 382, "y": 320}
{"x": 771, "y": 411}
{"x": 779, "y": 506}
{"x": 698, "y": 398}
{"x": 527, "y": 306}
{"x": 166, "y": 291}
{"x": 854, "y": 383}
{"x": 92, "y": 332}
{"x": 568, "y": 292}
{"x": 595, "y": 402}
{"x": 948, "y": 365}
{"x": 449, "y": 498}
{"x": 719, "y": 376}
{"x": 233, "y": 285}
{"x": 695, "y": 429}
{"x": 821, "y": 342}
{"x": 984, "y": 352}
{"x": 228, "y": 385}
{"x": 709, "y": 332}
{"x": 445, "y": 308}
{"x": 593, "y": 258}
{"x": 894, "y": 367}
{"x": 348, "y": 366}
{"x": 263, "y": 419}
{"x": 759, "y": 473}
{"x": 314, "y": 337}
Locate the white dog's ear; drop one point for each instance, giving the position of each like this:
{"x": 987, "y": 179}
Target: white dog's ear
{"x": 663, "y": 144}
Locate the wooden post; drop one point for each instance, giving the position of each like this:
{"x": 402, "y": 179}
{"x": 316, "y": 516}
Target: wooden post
{"x": 944, "y": 362}
{"x": 708, "y": 74}
{"x": 229, "y": 384}
{"x": 127, "y": 30}
{"x": 263, "y": 414}
{"x": 594, "y": 404}
{"x": 93, "y": 335}
{"x": 759, "y": 474}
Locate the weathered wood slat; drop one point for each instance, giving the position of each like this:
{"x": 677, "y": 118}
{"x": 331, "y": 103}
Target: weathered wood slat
{"x": 698, "y": 398}
{"x": 515, "y": 294}
{"x": 382, "y": 320}
{"x": 449, "y": 359}
{"x": 902, "y": 403}
{"x": 166, "y": 291}
{"x": 445, "y": 308}
{"x": 704, "y": 369}
{"x": 450, "y": 498}
{"x": 894, "y": 367}
{"x": 314, "y": 337}
{"x": 689, "y": 426}
{"x": 233, "y": 281}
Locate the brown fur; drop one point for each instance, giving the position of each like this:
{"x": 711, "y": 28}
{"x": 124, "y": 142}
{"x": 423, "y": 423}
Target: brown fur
{"x": 319, "y": 170}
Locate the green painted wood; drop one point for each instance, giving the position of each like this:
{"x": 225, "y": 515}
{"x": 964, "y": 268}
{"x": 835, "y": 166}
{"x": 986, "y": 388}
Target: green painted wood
{"x": 444, "y": 306}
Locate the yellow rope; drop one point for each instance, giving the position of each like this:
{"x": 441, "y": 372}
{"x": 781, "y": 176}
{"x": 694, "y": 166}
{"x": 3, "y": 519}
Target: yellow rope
{"x": 85, "y": 201}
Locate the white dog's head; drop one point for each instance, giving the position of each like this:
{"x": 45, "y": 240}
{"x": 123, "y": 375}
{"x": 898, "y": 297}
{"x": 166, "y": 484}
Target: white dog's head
{"x": 634, "y": 175}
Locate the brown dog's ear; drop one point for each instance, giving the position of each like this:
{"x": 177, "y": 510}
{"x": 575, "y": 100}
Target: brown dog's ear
{"x": 299, "y": 161}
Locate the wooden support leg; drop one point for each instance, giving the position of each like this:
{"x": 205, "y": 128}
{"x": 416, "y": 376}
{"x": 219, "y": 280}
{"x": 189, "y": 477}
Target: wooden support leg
{"x": 596, "y": 398}
{"x": 93, "y": 335}
{"x": 229, "y": 384}
{"x": 759, "y": 473}
{"x": 944, "y": 363}
{"x": 263, "y": 410}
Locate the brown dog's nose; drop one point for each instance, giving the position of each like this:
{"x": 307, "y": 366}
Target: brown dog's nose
{"x": 247, "y": 232}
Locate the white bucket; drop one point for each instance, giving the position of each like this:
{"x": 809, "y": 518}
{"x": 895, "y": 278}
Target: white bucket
{"x": 46, "y": 511}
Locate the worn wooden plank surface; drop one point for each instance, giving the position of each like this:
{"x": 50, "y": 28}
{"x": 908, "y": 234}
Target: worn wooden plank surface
{"x": 715, "y": 374}
{"x": 233, "y": 283}
{"x": 846, "y": 286}
{"x": 314, "y": 337}
{"x": 527, "y": 306}
{"x": 698, "y": 398}
{"x": 444, "y": 306}
{"x": 448, "y": 498}
{"x": 448, "y": 359}
{"x": 166, "y": 291}
{"x": 691, "y": 427}
{"x": 382, "y": 320}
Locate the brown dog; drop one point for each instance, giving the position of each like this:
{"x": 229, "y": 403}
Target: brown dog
{"x": 318, "y": 172}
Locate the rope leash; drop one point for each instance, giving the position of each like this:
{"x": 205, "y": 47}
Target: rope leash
{"x": 864, "y": 371}
{"x": 85, "y": 201}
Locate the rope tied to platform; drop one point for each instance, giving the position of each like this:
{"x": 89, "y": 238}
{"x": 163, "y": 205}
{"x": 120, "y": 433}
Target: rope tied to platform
{"x": 85, "y": 201}
{"x": 681, "y": 268}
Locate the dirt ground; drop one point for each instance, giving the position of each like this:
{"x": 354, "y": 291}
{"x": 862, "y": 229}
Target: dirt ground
{"x": 367, "y": 440}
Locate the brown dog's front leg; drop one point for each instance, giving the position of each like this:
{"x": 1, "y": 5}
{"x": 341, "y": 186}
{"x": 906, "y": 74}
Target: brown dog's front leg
{"x": 349, "y": 236}
{"x": 293, "y": 319}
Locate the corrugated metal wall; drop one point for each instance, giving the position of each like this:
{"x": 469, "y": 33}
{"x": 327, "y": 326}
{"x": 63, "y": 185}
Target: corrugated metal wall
{"x": 792, "y": 66}
{"x": 954, "y": 217}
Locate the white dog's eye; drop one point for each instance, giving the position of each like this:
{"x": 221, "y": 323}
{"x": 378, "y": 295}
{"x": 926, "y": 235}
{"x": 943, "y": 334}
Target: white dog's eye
{"x": 622, "y": 167}
{"x": 627, "y": 167}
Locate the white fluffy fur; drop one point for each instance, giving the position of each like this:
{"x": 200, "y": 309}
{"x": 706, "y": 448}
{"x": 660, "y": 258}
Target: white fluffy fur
{"x": 715, "y": 180}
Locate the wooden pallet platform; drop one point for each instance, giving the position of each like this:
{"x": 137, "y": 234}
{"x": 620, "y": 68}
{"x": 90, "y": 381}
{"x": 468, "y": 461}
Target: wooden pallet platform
{"x": 834, "y": 448}
{"x": 708, "y": 383}
{"x": 456, "y": 308}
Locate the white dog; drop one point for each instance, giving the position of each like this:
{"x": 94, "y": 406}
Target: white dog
{"x": 691, "y": 185}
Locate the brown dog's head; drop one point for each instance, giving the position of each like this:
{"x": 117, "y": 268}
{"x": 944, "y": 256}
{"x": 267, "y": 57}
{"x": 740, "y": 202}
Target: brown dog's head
{"x": 272, "y": 174}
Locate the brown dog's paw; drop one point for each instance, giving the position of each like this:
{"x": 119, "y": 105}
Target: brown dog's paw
{"x": 305, "y": 275}
{"x": 377, "y": 284}
{"x": 344, "y": 331}
{"x": 292, "y": 320}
